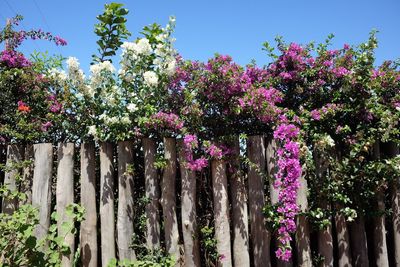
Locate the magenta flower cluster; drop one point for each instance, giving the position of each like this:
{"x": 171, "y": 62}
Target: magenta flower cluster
{"x": 165, "y": 121}
{"x": 287, "y": 182}
{"x": 14, "y": 59}
{"x": 190, "y": 143}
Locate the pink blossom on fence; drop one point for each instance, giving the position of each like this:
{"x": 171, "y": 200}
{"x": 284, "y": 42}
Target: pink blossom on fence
{"x": 287, "y": 182}
{"x": 165, "y": 121}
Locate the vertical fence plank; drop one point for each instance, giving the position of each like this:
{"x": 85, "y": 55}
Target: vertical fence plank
{"x": 379, "y": 236}
{"x": 343, "y": 239}
{"x": 27, "y": 175}
{"x": 260, "y": 237}
{"x": 3, "y": 156}
{"x": 107, "y": 221}
{"x": 325, "y": 239}
{"x": 189, "y": 214}
{"x": 342, "y": 234}
{"x": 274, "y": 193}
{"x": 152, "y": 188}
{"x": 125, "y": 201}
{"x": 221, "y": 212}
{"x": 65, "y": 195}
{"x": 15, "y": 155}
{"x": 239, "y": 212}
{"x": 41, "y": 186}
{"x": 393, "y": 150}
{"x": 358, "y": 237}
{"x": 168, "y": 199}
{"x": 88, "y": 231}
{"x": 302, "y": 239}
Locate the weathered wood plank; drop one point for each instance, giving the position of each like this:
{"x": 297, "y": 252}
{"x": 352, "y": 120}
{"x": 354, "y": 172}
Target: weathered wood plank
{"x": 41, "y": 186}
{"x": 107, "y": 217}
{"x": 325, "y": 238}
{"x": 125, "y": 201}
{"x": 152, "y": 188}
{"x": 259, "y": 235}
{"x": 221, "y": 212}
{"x": 168, "y": 199}
{"x": 359, "y": 246}
{"x": 88, "y": 231}
{"x": 379, "y": 231}
{"x": 65, "y": 196}
{"x": 393, "y": 150}
{"x": 27, "y": 175}
{"x": 304, "y": 258}
{"x": 15, "y": 155}
{"x": 189, "y": 213}
{"x": 240, "y": 225}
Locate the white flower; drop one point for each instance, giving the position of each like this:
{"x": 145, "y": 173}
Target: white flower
{"x": 125, "y": 120}
{"x": 131, "y": 107}
{"x": 97, "y": 68}
{"x": 171, "y": 67}
{"x": 330, "y": 142}
{"x": 143, "y": 47}
{"x": 150, "y": 78}
{"x": 59, "y": 75}
{"x": 92, "y": 130}
{"x": 72, "y": 63}
{"x": 398, "y": 108}
{"x": 129, "y": 46}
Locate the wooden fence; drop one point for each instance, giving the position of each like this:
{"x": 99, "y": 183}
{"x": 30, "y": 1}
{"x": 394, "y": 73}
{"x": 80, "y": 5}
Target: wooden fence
{"x": 107, "y": 186}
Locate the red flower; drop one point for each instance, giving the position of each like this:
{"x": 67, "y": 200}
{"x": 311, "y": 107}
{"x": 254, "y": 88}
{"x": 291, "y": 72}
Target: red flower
{"x": 23, "y": 107}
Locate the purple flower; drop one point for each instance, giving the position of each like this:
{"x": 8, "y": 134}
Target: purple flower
{"x": 316, "y": 115}
{"x": 45, "y": 126}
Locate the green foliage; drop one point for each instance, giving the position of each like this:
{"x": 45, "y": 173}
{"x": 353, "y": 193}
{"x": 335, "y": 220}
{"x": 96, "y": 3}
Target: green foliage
{"x": 44, "y": 63}
{"x": 19, "y": 246}
{"x": 156, "y": 258}
{"x": 111, "y": 30}
{"x": 209, "y": 243}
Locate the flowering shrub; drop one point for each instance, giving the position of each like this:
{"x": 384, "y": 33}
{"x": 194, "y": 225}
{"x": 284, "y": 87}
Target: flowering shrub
{"x": 29, "y": 106}
{"x": 325, "y": 108}
{"x": 344, "y": 105}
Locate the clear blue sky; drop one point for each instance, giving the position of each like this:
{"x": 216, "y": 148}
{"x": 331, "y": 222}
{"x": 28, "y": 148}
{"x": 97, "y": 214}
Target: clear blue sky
{"x": 231, "y": 27}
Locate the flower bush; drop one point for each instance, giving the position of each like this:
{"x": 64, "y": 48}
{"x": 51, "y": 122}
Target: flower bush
{"x": 327, "y": 109}
{"x": 30, "y": 106}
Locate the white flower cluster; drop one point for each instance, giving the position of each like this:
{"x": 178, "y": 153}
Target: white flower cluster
{"x": 111, "y": 99}
{"x": 136, "y": 66}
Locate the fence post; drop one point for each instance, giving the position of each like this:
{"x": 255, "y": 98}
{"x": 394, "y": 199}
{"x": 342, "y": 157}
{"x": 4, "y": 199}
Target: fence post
{"x": 152, "y": 188}
{"x": 125, "y": 201}
{"x": 15, "y": 155}
{"x": 393, "y": 150}
{"x": 221, "y": 212}
{"x": 302, "y": 239}
{"x": 168, "y": 199}
{"x": 240, "y": 223}
{"x": 41, "y": 186}
{"x": 27, "y": 175}
{"x": 88, "y": 232}
{"x": 65, "y": 195}
{"x": 260, "y": 237}
{"x": 325, "y": 239}
{"x": 379, "y": 237}
{"x": 3, "y": 156}
{"x": 274, "y": 193}
{"x": 342, "y": 234}
{"x": 107, "y": 221}
{"x": 189, "y": 214}
{"x": 358, "y": 237}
